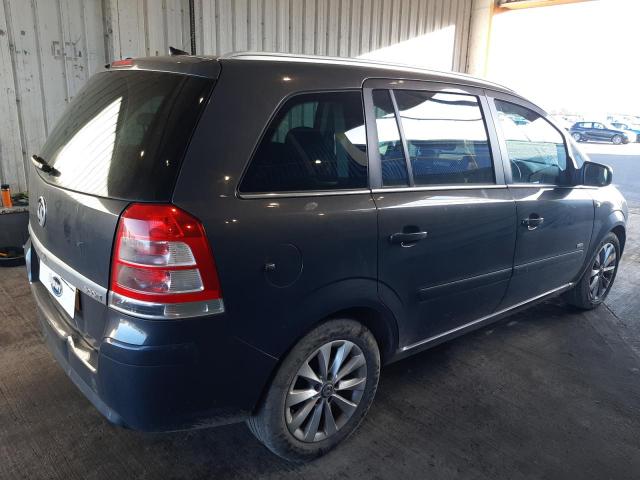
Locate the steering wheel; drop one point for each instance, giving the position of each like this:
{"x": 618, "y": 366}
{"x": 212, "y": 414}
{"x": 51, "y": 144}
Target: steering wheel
{"x": 540, "y": 175}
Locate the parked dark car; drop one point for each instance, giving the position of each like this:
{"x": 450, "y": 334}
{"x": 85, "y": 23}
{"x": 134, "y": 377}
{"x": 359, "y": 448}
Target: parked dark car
{"x": 251, "y": 237}
{"x": 598, "y": 132}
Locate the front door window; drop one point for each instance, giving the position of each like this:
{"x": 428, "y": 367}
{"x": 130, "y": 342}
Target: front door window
{"x": 536, "y": 150}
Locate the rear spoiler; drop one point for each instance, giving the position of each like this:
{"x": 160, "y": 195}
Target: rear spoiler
{"x": 201, "y": 66}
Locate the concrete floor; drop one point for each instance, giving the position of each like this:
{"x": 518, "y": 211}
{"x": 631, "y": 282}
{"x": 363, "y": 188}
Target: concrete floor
{"x": 549, "y": 393}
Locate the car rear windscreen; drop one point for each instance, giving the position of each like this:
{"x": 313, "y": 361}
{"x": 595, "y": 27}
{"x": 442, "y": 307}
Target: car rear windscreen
{"x": 125, "y": 133}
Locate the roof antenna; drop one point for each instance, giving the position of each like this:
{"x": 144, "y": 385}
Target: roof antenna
{"x": 176, "y": 51}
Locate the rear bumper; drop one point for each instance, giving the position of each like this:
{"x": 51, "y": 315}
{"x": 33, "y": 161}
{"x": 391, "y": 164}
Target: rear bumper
{"x": 194, "y": 375}
{"x": 56, "y": 339}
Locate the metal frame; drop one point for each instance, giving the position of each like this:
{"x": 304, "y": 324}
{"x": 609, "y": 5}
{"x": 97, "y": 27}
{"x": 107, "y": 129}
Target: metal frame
{"x": 403, "y": 139}
{"x": 302, "y": 194}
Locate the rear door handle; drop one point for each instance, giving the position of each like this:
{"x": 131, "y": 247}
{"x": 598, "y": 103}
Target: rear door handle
{"x": 533, "y": 222}
{"x": 407, "y": 239}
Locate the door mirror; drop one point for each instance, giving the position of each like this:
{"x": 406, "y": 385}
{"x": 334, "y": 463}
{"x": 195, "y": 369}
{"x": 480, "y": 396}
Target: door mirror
{"x": 596, "y": 174}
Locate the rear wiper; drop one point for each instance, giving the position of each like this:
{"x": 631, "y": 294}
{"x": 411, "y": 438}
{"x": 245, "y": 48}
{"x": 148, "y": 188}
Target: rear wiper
{"x": 42, "y": 164}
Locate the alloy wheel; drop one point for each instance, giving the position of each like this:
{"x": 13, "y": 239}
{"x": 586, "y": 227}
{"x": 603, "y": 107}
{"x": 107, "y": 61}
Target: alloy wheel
{"x": 602, "y": 271}
{"x": 326, "y": 391}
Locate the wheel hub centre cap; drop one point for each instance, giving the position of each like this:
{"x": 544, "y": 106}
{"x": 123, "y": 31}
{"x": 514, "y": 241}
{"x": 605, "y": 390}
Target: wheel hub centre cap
{"x": 327, "y": 390}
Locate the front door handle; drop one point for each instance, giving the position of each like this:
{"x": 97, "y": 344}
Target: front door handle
{"x": 407, "y": 239}
{"x": 533, "y": 222}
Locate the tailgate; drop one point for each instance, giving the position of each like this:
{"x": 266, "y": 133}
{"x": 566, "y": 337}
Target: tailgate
{"x": 78, "y": 229}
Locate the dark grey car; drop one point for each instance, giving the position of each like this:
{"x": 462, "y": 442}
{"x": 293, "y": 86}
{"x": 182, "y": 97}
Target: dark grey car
{"x": 251, "y": 237}
{"x": 599, "y": 132}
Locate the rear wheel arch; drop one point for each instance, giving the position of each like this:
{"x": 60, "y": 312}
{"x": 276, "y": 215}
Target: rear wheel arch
{"x": 381, "y": 325}
{"x": 375, "y": 317}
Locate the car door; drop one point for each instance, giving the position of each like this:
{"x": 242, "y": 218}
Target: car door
{"x": 555, "y": 218}
{"x": 600, "y": 133}
{"x": 446, "y": 220}
{"x": 586, "y": 129}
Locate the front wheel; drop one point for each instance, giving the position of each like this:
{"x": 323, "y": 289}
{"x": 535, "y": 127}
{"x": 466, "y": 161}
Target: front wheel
{"x": 320, "y": 393}
{"x": 596, "y": 282}
{"x": 617, "y": 139}
{"x": 577, "y": 137}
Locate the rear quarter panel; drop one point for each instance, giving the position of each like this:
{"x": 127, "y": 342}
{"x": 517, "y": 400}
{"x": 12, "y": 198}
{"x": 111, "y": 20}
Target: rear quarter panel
{"x": 325, "y": 247}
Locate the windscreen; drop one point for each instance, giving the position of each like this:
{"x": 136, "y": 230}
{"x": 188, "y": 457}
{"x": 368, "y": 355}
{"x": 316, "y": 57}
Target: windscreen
{"x": 125, "y": 133}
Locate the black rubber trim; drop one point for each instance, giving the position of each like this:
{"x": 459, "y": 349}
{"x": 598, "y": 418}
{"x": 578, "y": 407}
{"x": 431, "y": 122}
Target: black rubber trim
{"x": 542, "y": 263}
{"x": 464, "y": 284}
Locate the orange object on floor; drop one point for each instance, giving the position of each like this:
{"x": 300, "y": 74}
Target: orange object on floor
{"x": 6, "y": 196}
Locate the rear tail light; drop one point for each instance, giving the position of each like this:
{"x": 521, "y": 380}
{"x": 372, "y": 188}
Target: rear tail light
{"x": 162, "y": 265}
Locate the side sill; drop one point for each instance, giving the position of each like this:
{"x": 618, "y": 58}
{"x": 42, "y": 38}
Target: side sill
{"x": 454, "y": 332}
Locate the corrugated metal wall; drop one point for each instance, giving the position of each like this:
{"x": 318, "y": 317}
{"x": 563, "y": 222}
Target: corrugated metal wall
{"x": 345, "y": 28}
{"x": 48, "y": 48}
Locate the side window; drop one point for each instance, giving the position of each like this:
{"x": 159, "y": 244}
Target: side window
{"x": 393, "y": 163}
{"x": 536, "y": 150}
{"x": 446, "y": 138}
{"x": 317, "y": 141}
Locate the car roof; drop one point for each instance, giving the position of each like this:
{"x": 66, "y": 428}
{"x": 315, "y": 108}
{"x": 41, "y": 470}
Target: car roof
{"x": 371, "y": 68}
{"x": 360, "y": 69}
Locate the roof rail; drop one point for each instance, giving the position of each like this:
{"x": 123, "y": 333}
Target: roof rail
{"x": 353, "y": 61}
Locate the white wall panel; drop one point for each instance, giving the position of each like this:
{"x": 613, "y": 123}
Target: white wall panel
{"x": 51, "y": 57}
{"x": 28, "y": 78}
{"x": 49, "y": 48}
{"x": 11, "y": 151}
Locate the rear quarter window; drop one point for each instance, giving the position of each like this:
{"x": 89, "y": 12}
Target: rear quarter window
{"x": 317, "y": 141}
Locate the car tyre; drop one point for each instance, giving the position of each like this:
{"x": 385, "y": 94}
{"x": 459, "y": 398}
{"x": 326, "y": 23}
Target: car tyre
{"x": 276, "y": 421}
{"x": 577, "y": 137}
{"x": 599, "y": 276}
{"x": 616, "y": 139}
